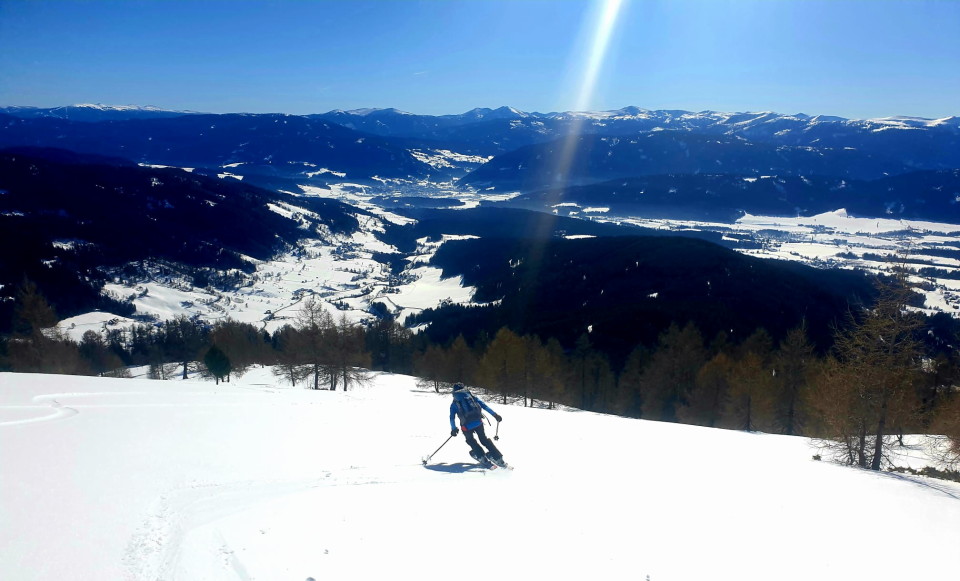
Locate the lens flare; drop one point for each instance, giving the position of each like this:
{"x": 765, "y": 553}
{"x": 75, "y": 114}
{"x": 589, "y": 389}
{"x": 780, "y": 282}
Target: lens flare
{"x": 599, "y": 32}
{"x": 609, "y": 10}
{"x": 602, "y": 28}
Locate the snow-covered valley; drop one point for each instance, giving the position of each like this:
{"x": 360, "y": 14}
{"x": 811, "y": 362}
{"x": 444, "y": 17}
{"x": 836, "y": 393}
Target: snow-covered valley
{"x": 342, "y": 274}
{"x": 340, "y": 270}
{"x": 344, "y": 271}
{"x": 839, "y": 240}
{"x": 167, "y": 480}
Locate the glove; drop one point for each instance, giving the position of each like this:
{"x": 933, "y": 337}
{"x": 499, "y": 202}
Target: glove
{"x": 497, "y": 417}
{"x": 453, "y": 432}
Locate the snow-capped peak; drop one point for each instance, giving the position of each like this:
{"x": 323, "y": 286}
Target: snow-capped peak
{"x": 906, "y": 122}
{"x": 102, "y": 107}
{"x": 125, "y": 108}
{"x": 366, "y": 112}
{"x": 503, "y": 112}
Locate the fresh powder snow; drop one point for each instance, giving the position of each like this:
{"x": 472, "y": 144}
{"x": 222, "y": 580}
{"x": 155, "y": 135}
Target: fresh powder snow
{"x": 257, "y": 479}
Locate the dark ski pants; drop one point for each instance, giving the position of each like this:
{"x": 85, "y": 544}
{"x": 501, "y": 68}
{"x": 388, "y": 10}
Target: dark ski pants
{"x": 476, "y": 449}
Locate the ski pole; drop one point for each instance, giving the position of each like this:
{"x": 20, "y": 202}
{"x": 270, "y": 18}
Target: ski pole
{"x": 427, "y": 459}
{"x": 496, "y": 436}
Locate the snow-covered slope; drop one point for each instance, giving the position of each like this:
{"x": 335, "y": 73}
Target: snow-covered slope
{"x": 139, "y": 479}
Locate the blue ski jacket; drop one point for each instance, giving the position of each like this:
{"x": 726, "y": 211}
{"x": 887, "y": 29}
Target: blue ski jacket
{"x": 472, "y": 425}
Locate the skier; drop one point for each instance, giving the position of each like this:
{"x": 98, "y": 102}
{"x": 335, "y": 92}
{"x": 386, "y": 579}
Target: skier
{"x": 468, "y": 407}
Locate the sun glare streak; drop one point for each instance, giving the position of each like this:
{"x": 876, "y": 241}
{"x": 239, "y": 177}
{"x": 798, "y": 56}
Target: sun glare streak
{"x": 604, "y": 24}
{"x": 598, "y": 51}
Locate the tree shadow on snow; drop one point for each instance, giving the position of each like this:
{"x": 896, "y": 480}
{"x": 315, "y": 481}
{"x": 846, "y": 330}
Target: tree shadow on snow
{"x": 925, "y": 482}
{"x": 455, "y": 468}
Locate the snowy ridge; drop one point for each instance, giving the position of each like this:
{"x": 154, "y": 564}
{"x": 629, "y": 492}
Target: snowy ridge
{"x": 372, "y": 111}
{"x": 673, "y": 115}
{"x": 102, "y": 107}
{"x": 667, "y": 117}
{"x": 93, "y": 112}
{"x": 913, "y": 122}
{"x": 740, "y": 121}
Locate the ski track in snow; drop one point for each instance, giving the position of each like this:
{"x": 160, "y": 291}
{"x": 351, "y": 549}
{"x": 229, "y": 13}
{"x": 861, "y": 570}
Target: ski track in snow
{"x": 157, "y": 550}
{"x": 59, "y": 411}
{"x": 178, "y": 521}
{"x": 174, "y": 480}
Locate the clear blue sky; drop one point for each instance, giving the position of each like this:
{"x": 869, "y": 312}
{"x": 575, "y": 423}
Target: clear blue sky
{"x": 867, "y": 58}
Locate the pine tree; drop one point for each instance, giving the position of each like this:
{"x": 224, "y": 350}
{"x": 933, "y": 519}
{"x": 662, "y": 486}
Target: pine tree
{"x": 749, "y": 397}
{"x": 672, "y": 373}
{"x": 870, "y": 389}
{"x": 183, "y": 339}
{"x": 530, "y": 368}
{"x": 591, "y": 376}
{"x": 502, "y": 363}
{"x": 630, "y": 383}
{"x": 349, "y": 357}
{"x": 37, "y": 346}
{"x": 32, "y": 313}
{"x": 460, "y": 363}
{"x": 313, "y": 344}
{"x": 94, "y": 350}
{"x": 429, "y": 365}
{"x": 390, "y": 345}
{"x": 217, "y": 363}
{"x": 749, "y": 401}
{"x": 552, "y": 373}
{"x": 291, "y": 362}
{"x": 793, "y": 363}
{"x": 242, "y": 344}
{"x": 709, "y": 393}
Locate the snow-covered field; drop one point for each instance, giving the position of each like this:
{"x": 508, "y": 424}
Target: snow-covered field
{"x": 108, "y": 479}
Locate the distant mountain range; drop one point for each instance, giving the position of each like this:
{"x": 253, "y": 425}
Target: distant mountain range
{"x": 273, "y": 145}
{"x": 94, "y": 112}
{"x": 931, "y": 143}
{"x": 704, "y": 164}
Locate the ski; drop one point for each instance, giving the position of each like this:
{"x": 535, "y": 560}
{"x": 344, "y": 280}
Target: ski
{"x": 491, "y": 465}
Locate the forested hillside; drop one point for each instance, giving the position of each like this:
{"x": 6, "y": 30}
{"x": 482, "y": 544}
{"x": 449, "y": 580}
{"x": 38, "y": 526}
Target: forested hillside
{"x": 271, "y": 145}
{"x": 624, "y": 291}
{"x": 69, "y": 216}
{"x": 926, "y": 195}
